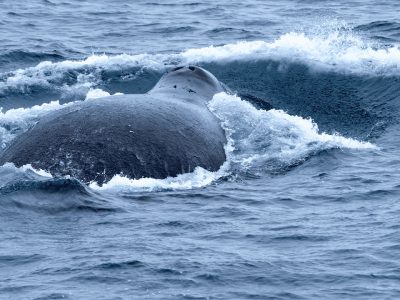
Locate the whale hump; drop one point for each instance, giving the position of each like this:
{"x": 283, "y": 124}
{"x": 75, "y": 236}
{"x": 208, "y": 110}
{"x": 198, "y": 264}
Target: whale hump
{"x": 163, "y": 133}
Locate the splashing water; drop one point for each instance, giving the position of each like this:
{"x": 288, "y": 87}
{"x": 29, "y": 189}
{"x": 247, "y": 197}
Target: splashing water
{"x": 330, "y": 44}
{"x": 259, "y": 136}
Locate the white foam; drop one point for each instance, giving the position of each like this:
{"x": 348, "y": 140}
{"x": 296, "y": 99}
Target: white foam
{"x": 341, "y": 50}
{"x": 89, "y": 71}
{"x": 98, "y": 93}
{"x": 39, "y": 172}
{"x": 25, "y": 168}
{"x": 272, "y": 138}
{"x": 200, "y": 177}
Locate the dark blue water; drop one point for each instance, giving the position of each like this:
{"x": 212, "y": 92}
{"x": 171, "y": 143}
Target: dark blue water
{"x": 307, "y": 206}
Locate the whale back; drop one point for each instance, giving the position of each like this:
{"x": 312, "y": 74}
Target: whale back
{"x": 159, "y": 134}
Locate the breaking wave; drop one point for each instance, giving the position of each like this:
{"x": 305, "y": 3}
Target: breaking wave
{"x": 332, "y": 45}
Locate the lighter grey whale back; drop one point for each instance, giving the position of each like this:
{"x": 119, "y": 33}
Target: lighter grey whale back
{"x": 165, "y": 132}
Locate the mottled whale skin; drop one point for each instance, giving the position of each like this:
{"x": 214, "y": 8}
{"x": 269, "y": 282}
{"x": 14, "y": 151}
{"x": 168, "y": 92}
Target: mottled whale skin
{"x": 165, "y": 132}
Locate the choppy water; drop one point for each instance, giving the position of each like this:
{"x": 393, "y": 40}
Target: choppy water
{"x": 306, "y": 206}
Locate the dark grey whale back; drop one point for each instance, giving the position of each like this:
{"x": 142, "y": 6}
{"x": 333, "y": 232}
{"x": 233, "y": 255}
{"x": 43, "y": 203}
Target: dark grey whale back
{"x": 165, "y": 132}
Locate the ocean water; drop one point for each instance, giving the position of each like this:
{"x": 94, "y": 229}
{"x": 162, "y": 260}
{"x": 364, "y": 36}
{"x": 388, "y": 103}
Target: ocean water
{"x": 307, "y": 204}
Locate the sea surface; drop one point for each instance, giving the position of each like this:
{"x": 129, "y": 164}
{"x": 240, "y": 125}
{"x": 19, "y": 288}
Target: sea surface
{"x": 307, "y": 205}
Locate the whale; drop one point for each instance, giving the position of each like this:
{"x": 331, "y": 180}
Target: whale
{"x": 163, "y": 133}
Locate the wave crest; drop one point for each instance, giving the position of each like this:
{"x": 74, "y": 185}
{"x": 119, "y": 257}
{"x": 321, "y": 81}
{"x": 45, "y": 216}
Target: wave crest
{"x": 332, "y": 45}
{"x": 272, "y": 139}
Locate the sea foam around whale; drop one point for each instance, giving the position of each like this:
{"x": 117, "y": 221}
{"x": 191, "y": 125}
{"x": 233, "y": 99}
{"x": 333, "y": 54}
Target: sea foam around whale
{"x": 271, "y": 139}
